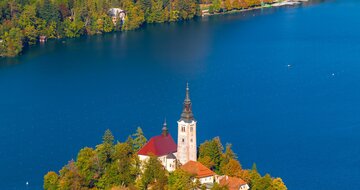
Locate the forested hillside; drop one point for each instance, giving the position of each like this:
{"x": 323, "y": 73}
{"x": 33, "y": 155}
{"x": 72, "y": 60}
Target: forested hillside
{"x": 24, "y": 21}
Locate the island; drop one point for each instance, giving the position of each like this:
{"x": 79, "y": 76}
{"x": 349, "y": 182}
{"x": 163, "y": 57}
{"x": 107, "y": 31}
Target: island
{"x": 26, "y": 23}
{"x": 160, "y": 163}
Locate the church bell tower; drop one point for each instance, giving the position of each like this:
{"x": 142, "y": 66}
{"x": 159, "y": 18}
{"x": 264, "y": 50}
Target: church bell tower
{"x": 186, "y": 146}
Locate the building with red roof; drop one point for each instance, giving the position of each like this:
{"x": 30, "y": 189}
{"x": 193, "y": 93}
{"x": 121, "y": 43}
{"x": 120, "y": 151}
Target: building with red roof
{"x": 201, "y": 172}
{"x": 233, "y": 183}
{"x": 162, "y": 146}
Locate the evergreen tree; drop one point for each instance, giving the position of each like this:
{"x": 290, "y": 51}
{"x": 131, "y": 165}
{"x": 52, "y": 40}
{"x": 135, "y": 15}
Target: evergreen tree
{"x": 139, "y": 139}
{"x": 49, "y": 12}
{"x": 130, "y": 141}
{"x": 106, "y": 149}
{"x": 108, "y": 137}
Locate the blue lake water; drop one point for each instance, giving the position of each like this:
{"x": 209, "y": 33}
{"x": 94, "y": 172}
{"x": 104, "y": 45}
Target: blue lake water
{"x": 282, "y": 85}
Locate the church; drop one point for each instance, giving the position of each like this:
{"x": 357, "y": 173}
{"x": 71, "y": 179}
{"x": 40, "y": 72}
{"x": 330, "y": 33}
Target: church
{"x": 164, "y": 147}
{"x": 184, "y": 153}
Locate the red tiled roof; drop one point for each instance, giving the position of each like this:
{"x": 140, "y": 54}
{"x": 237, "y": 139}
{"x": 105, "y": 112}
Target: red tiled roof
{"x": 233, "y": 183}
{"x": 159, "y": 146}
{"x": 197, "y": 169}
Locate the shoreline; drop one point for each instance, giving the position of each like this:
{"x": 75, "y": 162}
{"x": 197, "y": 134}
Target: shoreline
{"x": 206, "y": 13}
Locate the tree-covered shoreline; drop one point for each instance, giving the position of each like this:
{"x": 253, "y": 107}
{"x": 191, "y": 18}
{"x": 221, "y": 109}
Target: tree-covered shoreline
{"x": 116, "y": 166}
{"x": 24, "y": 22}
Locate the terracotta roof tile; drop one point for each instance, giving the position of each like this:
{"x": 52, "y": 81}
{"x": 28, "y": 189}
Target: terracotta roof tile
{"x": 197, "y": 169}
{"x": 233, "y": 183}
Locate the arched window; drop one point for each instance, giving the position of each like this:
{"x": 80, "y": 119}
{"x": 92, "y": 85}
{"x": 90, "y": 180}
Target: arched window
{"x": 191, "y": 129}
{"x": 182, "y": 129}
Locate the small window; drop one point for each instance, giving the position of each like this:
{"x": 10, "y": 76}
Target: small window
{"x": 191, "y": 129}
{"x": 183, "y": 140}
{"x": 191, "y": 140}
{"x": 182, "y": 129}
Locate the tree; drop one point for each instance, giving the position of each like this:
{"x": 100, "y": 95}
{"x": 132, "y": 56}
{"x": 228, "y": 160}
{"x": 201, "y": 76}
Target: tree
{"x": 156, "y": 12}
{"x": 229, "y": 164}
{"x": 134, "y": 17}
{"x": 12, "y": 42}
{"x": 49, "y": 12}
{"x": 206, "y": 161}
{"x": 28, "y": 16}
{"x": 130, "y": 142}
{"x": 278, "y": 184}
{"x": 108, "y": 137}
{"x": 186, "y": 8}
{"x": 216, "y": 5}
{"x": 154, "y": 175}
{"x": 139, "y": 139}
{"x": 181, "y": 180}
{"x": 257, "y": 182}
{"x": 64, "y": 10}
{"x": 51, "y": 180}
{"x": 123, "y": 158}
{"x": 50, "y": 30}
{"x": 214, "y": 150}
{"x": 69, "y": 177}
{"x": 105, "y": 150}
{"x": 228, "y": 5}
{"x": 229, "y": 153}
{"x": 231, "y": 168}
{"x": 73, "y": 28}
{"x": 108, "y": 25}
{"x": 30, "y": 34}
{"x": 245, "y": 175}
{"x": 236, "y": 4}
{"x": 87, "y": 167}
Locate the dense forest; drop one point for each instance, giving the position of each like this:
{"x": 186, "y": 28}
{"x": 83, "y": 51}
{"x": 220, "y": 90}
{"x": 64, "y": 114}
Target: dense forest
{"x": 116, "y": 166}
{"x": 23, "y": 22}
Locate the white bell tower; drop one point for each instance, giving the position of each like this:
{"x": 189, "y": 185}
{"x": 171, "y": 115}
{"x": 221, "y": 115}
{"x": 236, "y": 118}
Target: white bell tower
{"x": 186, "y": 145}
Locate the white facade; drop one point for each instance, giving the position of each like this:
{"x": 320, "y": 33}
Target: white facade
{"x": 117, "y": 13}
{"x": 244, "y": 187}
{"x": 186, "y": 146}
{"x": 207, "y": 179}
{"x": 168, "y": 161}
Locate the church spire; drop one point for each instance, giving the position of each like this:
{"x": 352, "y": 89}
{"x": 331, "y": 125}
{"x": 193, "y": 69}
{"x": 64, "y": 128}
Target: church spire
{"x": 165, "y": 131}
{"x": 187, "y": 114}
